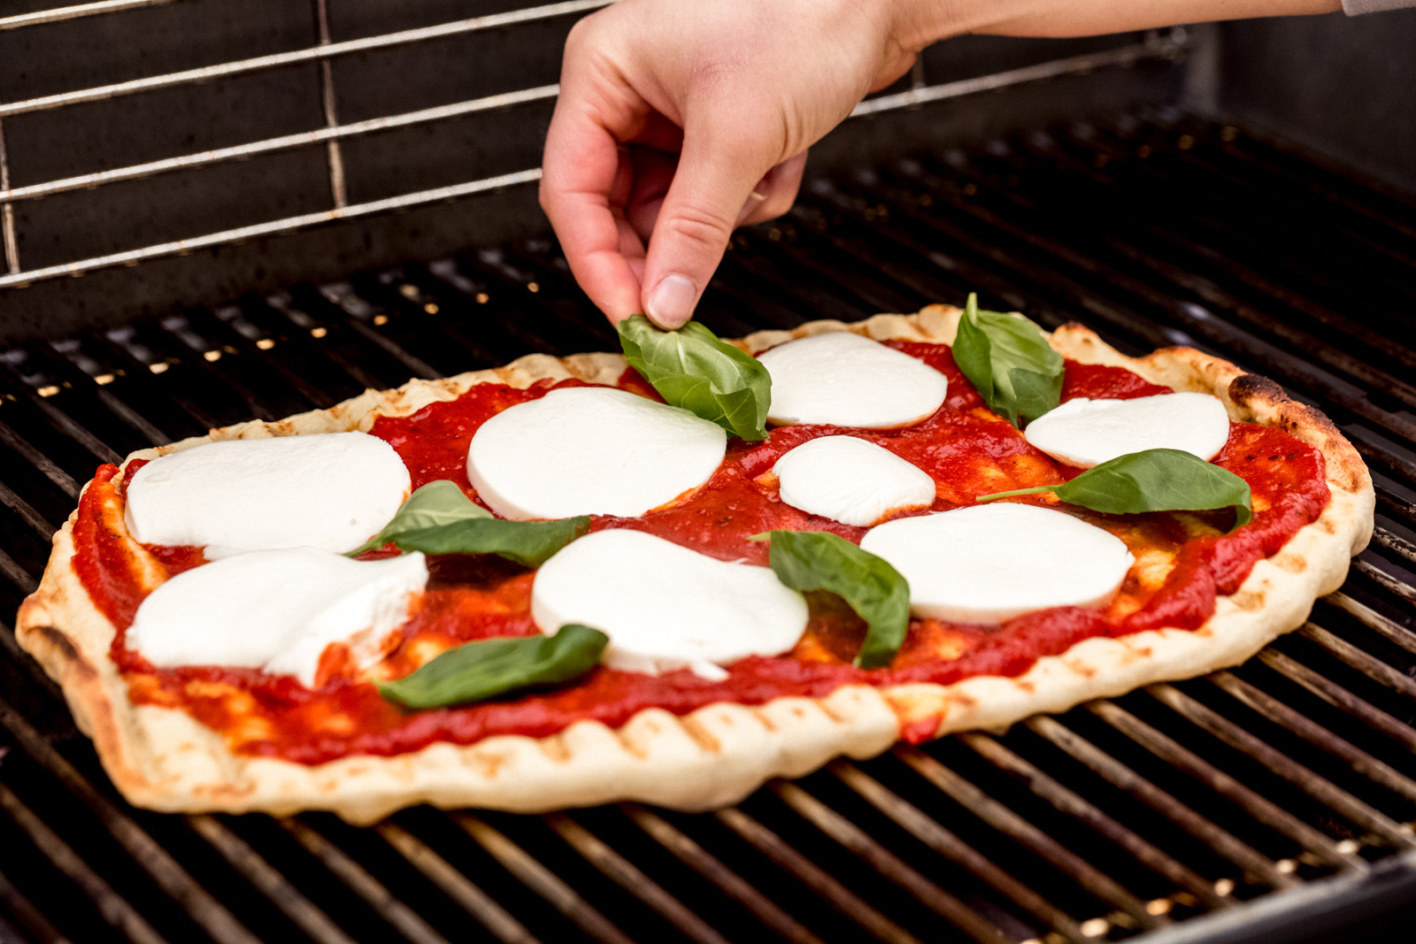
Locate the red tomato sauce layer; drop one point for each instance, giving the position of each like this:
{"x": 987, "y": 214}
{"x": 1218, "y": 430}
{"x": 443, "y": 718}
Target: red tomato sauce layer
{"x": 968, "y": 450}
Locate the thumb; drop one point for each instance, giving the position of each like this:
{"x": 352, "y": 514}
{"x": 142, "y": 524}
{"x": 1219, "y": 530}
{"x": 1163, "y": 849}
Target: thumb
{"x": 716, "y": 175}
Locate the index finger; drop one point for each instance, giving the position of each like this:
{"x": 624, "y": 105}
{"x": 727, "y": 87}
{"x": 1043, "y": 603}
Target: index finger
{"x": 578, "y": 175}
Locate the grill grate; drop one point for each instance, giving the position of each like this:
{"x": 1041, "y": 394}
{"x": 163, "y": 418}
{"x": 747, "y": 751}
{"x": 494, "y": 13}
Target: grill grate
{"x": 1293, "y": 773}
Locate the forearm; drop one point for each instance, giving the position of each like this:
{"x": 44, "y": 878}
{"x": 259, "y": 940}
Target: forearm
{"x": 921, "y": 22}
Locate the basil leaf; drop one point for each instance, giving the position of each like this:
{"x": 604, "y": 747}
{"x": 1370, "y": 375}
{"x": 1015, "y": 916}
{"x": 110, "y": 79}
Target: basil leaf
{"x": 880, "y": 595}
{"x": 1152, "y": 480}
{"x": 694, "y": 370}
{"x": 439, "y": 519}
{"x": 1006, "y": 357}
{"x": 525, "y": 542}
{"x": 484, "y": 669}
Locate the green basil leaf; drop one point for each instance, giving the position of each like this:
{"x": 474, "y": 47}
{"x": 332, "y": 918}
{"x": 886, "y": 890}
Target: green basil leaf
{"x": 435, "y": 504}
{"x": 484, "y": 669}
{"x": 1152, "y": 480}
{"x": 525, "y": 542}
{"x": 439, "y": 519}
{"x": 880, "y": 595}
{"x": 1006, "y": 357}
{"x": 694, "y": 370}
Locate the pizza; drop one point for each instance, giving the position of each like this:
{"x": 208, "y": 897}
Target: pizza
{"x": 229, "y": 660}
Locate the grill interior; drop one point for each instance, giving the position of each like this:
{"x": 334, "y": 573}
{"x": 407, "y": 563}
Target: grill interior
{"x": 1214, "y": 808}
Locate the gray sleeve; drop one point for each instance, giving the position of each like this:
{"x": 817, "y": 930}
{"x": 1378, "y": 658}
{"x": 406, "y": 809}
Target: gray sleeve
{"x": 1355, "y": 7}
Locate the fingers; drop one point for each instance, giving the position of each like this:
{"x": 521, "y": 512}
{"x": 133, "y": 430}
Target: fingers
{"x": 776, "y": 193}
{"x": 717, "y": 173}
{"x": 580, "y": 177}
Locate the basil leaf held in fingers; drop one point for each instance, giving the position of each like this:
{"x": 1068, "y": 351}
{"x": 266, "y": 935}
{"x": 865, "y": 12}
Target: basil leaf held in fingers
{"x": 439, "y": 519}
{"x": 696, "y": 371}
{"x": 879, "y": 594}
{"x": 1152, "y": 480}
{"x": 487, "y": 668}
{"x": 1007, "y": 358}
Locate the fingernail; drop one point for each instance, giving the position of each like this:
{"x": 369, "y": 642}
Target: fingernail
{"x": 671, "y": 302}
{"x": 754, "y": 200}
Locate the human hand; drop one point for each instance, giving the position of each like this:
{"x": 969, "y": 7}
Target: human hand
{"x": 679, "y": 120}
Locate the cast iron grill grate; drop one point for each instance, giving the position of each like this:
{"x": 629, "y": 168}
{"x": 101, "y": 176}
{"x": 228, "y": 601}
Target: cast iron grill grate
{"x": 1293, "y": 773}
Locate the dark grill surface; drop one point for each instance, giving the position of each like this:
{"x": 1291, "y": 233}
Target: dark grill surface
{"x": 1290, "y": 779}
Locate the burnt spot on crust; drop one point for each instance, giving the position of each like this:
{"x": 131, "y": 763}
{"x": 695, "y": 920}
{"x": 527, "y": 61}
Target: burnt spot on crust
{"x": 64, "y": 651}
{"x": 1259, "y": 394}
{"x": 701, "y": 735}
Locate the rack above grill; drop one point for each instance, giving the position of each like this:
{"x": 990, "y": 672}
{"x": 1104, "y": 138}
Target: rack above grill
{"x": 1257, "y": 799}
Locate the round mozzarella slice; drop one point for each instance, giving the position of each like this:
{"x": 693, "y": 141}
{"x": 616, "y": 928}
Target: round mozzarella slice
{"x": 664, "y": 606}
{"x": 326, "y": 490}
{"x": 843, "y": 379}
{"x": 1084, "y": 433}
{"x": 276, "y": 610}
{"x": 850, "y": 480}
{"x": 989, "y": 563}
{"x": 590, "y": 450}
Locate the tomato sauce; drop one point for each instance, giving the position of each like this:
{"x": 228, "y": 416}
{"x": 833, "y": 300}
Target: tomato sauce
{"x": 968, "y": 450}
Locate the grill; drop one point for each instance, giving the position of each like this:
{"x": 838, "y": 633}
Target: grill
{"x": 1273, "y": 801}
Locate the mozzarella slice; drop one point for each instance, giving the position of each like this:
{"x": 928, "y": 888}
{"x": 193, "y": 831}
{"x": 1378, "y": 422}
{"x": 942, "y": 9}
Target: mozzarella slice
{"x": 664, "y": 606}
{"x": 843, "y": 379}
{"x": 1084, "y": 433}
{"x": 989, "y": 563}
{"x": 850, "y": 480}
{"x": 590, "y": 450}
{"x": 276, "y": 610}
{"x": 327, "y": 490}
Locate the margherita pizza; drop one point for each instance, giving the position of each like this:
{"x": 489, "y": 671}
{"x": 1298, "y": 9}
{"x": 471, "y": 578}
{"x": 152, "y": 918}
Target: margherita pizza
{"x": 592, "y": 595}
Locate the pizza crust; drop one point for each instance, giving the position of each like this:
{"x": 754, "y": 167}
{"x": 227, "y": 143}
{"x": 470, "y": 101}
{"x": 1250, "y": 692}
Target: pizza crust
{"x": 163, "y": 759}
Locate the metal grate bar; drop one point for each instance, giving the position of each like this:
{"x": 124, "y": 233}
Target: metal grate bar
{"x": 295, "y": 57}
{"x": 9, "y": 242}
{"x": 171, "y": 877}
{"x": 541, "y": 880}
{"x": 1334, "y": 694}
{"x": 269, "y": 881}
{"x": 17, "y": 444}
{"x": 887, "y": 864}
{"x": 387, "y": 905}
{"x": 1072, "y": 804}
{"x": 1250, "y": 860}
{"x": 1260, "y": 808}
{"x": 330, "y": 136}
{"x": 335, "y": 295}
{"x": 814, "y": 877}
{"x": 1010, "y": 823}
{"x": 1307, "y": 780}
{"x": 330, "y": 105}
{"x": 1355, "y": 657}
{"x": 77, "y": 11}
{"x": 942, "y": 841}
{"x": 697, "y": 858}
{"x": 112, "y": 906}
{"x": 275, "y": 227}
{"x": 618, "y": 868}
{"x": 19, "y": 909}
{"x": 1395, "y": 542}
{"x": 66, "y": 425}
{"x": 1275, "y": 710}
{"x": 1169, "y": 44}
{"x": 455, "y": 885}
{"x": 1375, "y": 621}
{"x": 23, "y": 580}
{"x": 37, "y": 522}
